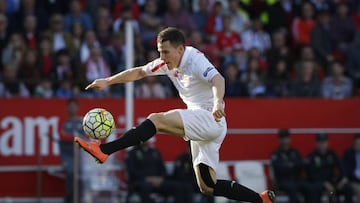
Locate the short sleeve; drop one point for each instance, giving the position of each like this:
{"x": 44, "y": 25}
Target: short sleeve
{"x": 155, "y": 67}
{"x": 204, "y": 69}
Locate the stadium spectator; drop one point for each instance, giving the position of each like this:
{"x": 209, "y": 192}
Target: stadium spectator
{"x": 307, "y": 54}
{"x": 352, "y": 165}
{"x": 177, "y": 16}
{"x": 302, "y": 26}
{"x": 11, "y": 86}
{"x": 44, "y": 89}
{"x": 103, "y": 26}
{"x": 337, "y": 85}
{"x": 88, "y": 43}
{"x": 288, "y": 167}
{"x": 150, "y": 22}
{"x": 91, "y": 7}
{"x": 77, "y": 15}
{"x": 280, "y": 15}
{"x": 238, "y": 56}
{"x": 77, "y": 33}
{"x": 29, "y": 69}
{"x": 140, "y": 50}
{"x": 326, "y": 171}
{"x": 278, "y": 80}
{"x": 255, "y": 53}
{"x": 30, "y": 7}
{"x": 15, "y": 50}
{"x": 64, "y": 90}
{"x": 254, "y": 79}
{"x": 342, "y": 29}
{"x": 353, "y": 61}
{"x": 147, "y": 174}
{"x": 321, "y": 39}
{"x": 226, "y": 38}
{"x": 256, "y": 37}
{"x": 62, "y": 69}
{"x": 30, "y": 32}
{"x": 59, "y": 39}
{"x": 214, "y": 22}
{"x": 201, "y": 15}
{"x": 119, "y": 6}
{"x": 115, "y": 52}
{"x": 306, "y": 83}
{"x": 233, "y": 86}
{"x": 46, "y": 58}
{"x": 279, "y": 51}
{"x": 96, "y": 66}
{"x": 240, "y": 19}
{"x": 126, "y": 16}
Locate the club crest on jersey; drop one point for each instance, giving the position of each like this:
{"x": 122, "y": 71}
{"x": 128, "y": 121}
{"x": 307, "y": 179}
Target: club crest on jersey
{"x": 185, "y": 80}
{"x": 207, "y": 71}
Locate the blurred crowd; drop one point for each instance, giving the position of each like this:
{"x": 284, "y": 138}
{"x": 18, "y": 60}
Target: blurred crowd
{"x": 264, "y": 48}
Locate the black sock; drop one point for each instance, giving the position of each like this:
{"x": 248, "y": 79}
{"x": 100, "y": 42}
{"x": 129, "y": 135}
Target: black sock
{"x": 235, "y": 191}
{"x": 132, "y": 137}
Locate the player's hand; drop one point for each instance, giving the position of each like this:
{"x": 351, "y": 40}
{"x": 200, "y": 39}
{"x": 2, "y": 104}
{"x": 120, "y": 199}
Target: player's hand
{"x": 218, "y": 112}
{"x": 98, "y": 84}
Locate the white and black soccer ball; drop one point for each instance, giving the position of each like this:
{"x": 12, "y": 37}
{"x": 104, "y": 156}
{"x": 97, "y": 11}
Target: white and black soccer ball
{"x": 98, "y": 123}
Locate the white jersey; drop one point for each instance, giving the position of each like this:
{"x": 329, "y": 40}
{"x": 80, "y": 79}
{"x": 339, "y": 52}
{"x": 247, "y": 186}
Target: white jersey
{"x": 192, "y": 78}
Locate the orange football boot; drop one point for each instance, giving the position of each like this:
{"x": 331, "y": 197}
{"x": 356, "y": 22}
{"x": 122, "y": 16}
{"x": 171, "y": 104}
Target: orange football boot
{"x": 268, "y": 196}
{"x": 93, "y": 148}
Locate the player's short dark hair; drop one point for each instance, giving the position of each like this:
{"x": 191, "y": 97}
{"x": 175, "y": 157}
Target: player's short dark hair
{"x": 175, "y": 36}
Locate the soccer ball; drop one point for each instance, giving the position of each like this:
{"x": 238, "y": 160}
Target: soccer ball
{"x": 98, "y": 123}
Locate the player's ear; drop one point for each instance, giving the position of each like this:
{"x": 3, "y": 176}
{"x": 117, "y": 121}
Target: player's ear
{"x": 180, "y": 48}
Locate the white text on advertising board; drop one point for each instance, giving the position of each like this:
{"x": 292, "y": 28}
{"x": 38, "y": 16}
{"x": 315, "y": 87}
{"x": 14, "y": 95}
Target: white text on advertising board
{"x": 18, "y": 136}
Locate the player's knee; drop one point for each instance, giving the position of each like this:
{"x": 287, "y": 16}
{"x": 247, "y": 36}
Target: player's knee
{"x": 206, "y": 190}
{"x": 157, "y": 119}
{"x": 206, "y": 182}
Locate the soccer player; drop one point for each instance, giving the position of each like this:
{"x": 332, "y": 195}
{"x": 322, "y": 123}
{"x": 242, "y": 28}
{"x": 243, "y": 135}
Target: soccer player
{"x": 201, "y": 87}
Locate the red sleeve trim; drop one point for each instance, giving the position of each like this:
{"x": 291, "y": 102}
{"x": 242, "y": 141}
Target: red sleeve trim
{"x": 157, "y": 67}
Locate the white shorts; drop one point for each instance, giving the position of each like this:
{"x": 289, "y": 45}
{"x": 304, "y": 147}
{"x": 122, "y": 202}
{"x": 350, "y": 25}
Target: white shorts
{"x": 205, "y": 135}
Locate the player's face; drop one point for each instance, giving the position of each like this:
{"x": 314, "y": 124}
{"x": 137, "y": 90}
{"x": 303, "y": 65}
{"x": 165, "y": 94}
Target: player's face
{"x": 169, "y": 54}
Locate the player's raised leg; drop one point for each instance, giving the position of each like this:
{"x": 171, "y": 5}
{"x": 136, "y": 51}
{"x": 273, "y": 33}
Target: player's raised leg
{"x": 208, "y": 184}
{"x": 167, "y": 122}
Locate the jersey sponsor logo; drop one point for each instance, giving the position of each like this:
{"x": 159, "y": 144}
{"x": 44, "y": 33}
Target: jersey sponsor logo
{"x": 207, "y": 71}
{"x": 155, "y": 68}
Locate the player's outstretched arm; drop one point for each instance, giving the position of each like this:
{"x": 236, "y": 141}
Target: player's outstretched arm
{"x": 125, "y": 76}
{"x": 218, "y": 87}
